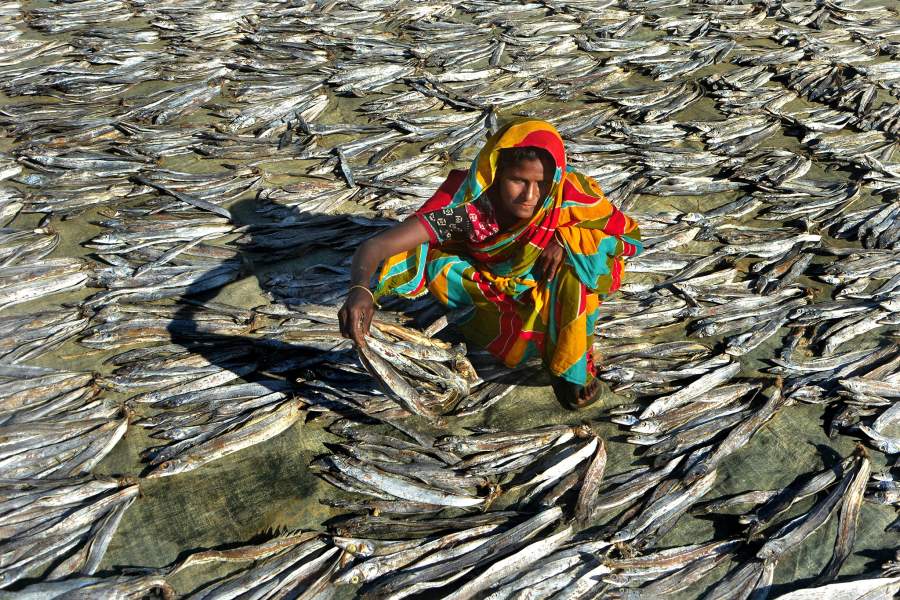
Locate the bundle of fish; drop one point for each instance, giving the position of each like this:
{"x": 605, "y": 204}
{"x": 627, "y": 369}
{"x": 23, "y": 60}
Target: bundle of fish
{"x": 122, "y": 324}
{"x": 685, "y": 462}
{"x": 334, "y": 382}
{"x": 674, "y": 569}
{"x": 415, "y": 458}
{"x": 117, "y": 586}
{"x": 865, "y": 396}
{"x": 653, "y": 104}
{"x": 40, "y": 395}
{"x": 169, "y": 365}
{"x": 68, "y": 523}
{"x": 492, "y": 554}
{"x": 645, "y": 367}
{"x": 538, "y": 458}
{"x": 141, "y": 258}
{"x": 201, "y": 416}
{"x": 278, "y": 240}
{"x": 322, "y": 284}
{"x": 817, "y": 379}
{"x": 176, "y": 101}
{"x": 79, "y": 167}
{"x": 843, "y": 320}
{"x": 819, "y": 201}
{"x": 54, "y": 197}
{"x": 299, "y": 564}
{"x": 27, "y": 336}
{"x": 198, "y": 379}
{"x": 216, "y": 425}
{"x": 425, "y": 376}
{"x": 60, "y": 445}
{"x": 11, "y": 202}
{"x": 23, "y": 246}
{"x": 212, "y": 188}
{"x": 83, "y": 15}
{"x": 128, "y": 234}
{"x": 860, "y": 268}
{"x": 156, "y": 280}
{"x": 315, "y": 195}
{"x": 635, "y": 318}
{"x": 29, "y": 281}
{"x": 303, "y": 327}
{"x": 847, "y": 483}
{"x": 875, "y": 227}
{"x": 417, "y": 478}
{"x": 386, "y": 527}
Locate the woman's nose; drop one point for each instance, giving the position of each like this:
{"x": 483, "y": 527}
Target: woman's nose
{"x": 534, "y": 192}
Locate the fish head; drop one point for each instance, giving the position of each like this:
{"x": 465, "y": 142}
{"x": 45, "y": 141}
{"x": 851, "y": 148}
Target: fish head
{"x": 708, "y": 330}
{"x": 646, "y": 426}
{"x": 362, "y": 548}
{"x": 627, "y": 420}
{"x": 358, "y": 574}
{"x": 166, "y": 468}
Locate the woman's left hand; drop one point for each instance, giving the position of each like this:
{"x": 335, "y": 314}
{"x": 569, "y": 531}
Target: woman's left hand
{"x": 550, "y": 260}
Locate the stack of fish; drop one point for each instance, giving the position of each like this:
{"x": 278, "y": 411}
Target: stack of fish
{"x": 300, "y": 564}
{"x": 27, "y": 336}
{"x": 63, "y": 522}
{"x": 397, "y": 356}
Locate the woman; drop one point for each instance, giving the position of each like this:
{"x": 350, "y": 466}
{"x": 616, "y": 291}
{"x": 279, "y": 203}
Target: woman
{"x": 530, "y": 244}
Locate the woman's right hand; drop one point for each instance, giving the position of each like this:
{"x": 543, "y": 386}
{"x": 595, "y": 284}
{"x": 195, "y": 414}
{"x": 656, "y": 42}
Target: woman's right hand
{"x": 356, "y": 314}
{"x": 359, "y": 307}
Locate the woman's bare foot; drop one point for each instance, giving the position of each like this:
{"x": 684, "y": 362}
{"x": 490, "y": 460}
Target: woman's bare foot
{"x": 588, "y": 394}
{"x": 574, "y": 396}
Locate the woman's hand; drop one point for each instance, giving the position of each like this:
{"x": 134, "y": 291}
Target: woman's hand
{"x": 359, "y": 307}
{"x": 355, "y": 315}
{"x": 550, "y": 260}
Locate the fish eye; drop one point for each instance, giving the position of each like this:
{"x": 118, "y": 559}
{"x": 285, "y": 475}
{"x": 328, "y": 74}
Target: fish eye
{"x": 354, "y": 579}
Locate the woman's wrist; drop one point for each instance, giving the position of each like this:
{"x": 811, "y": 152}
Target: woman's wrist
{"x": 364, "y": 288}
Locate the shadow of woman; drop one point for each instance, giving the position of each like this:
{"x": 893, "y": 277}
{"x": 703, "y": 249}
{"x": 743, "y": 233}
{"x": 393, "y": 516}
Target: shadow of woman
{"x": 280, "y": 337}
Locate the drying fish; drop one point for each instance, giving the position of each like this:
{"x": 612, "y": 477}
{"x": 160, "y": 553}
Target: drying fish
{"x": 66, "y": 515}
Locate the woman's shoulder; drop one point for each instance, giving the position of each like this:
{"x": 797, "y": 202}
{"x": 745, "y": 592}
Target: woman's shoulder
{"x": 445, "y": 192}
{"x": 455, "y": 178}
{"x": 581, "y": 188}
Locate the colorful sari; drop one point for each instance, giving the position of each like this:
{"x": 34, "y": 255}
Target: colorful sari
{"x": 517, "y": 314}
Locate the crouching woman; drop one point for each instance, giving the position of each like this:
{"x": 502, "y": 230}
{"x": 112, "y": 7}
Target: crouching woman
{"x": 531, "y": 245}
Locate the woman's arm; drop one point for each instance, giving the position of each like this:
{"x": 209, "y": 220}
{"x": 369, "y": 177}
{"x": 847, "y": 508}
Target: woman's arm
{"x": 356, "y": 314}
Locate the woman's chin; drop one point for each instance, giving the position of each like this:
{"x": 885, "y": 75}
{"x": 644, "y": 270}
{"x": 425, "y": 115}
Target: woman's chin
{"x": 524, "y": 212}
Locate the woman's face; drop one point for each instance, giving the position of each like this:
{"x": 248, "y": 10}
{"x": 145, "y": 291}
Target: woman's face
{"x": 522, "y": 186}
